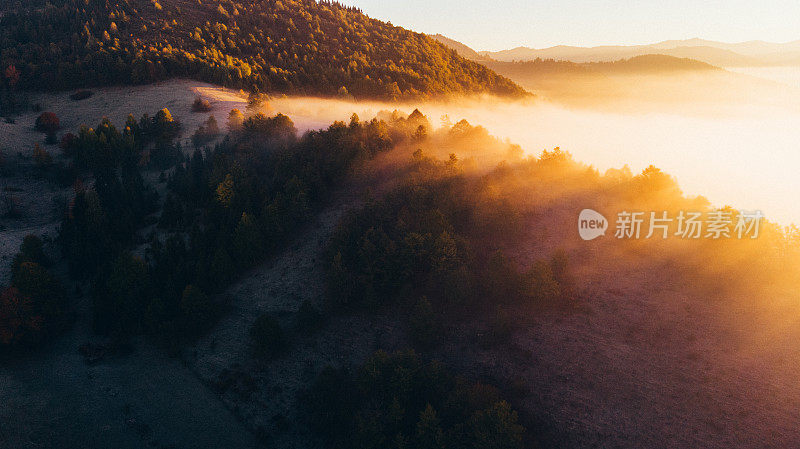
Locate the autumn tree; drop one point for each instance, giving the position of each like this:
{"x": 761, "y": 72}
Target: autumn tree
{"x": 235, "y": 120}
{"x": 12, "y": 75}
{"x": 20, "y": 324}
{"x": 36, "y": 282}
{"x": 48, "y": 123}
{"x": 34, "y": 304}
{"x": 165, "y": 126}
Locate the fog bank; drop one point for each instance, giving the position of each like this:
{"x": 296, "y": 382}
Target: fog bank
{"x": 747, "y": 158}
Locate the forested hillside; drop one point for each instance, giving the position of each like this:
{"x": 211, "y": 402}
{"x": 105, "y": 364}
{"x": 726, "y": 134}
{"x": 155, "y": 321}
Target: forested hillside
{"x": 288, "y": 46}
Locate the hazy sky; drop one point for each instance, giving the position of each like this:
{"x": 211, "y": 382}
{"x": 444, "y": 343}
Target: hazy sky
{"x": 502, "y": 24}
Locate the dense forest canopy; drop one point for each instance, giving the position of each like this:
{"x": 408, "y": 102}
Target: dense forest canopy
{"x": 289, "y": 46}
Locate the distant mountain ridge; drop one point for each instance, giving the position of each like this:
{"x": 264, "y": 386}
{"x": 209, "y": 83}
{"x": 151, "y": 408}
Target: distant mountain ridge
{"x": 742, "y": 54}
{"x": 747, "y": 48}
{"x": 462, "y": 49}
{"x": 720, "y": 54}
{"x": 652, "y": 81}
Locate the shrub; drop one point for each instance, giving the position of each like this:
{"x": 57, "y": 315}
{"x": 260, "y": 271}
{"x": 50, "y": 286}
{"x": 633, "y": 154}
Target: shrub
{"x": 267, "y": 337}
{"x": 48, "y": 123}
{"x": 81, "y": 95}
{"x": 201, "y": 105}
{"x": 41, "y": 156}
{"x": 31, "y": 250}
{"x": 207, "y": 132}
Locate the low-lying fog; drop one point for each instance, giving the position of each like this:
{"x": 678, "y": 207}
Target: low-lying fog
{"x": 744, "y": 154}
{"x": 789, "y": 76}
{"x": 750, "y": 160}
